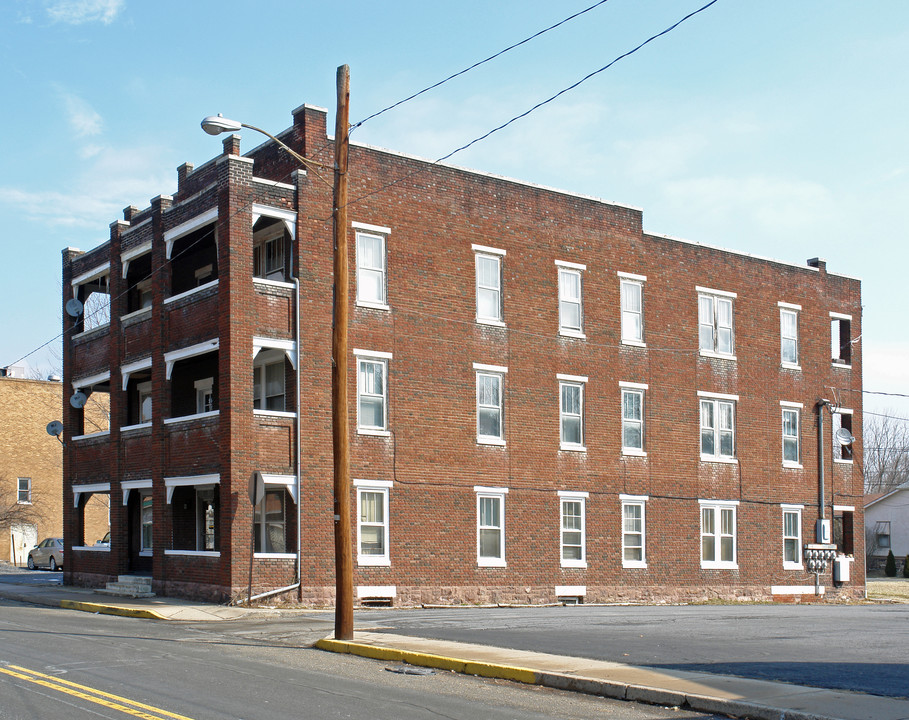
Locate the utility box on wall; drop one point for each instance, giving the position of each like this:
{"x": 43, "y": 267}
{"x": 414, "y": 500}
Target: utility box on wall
{"x": 841, "y": 568}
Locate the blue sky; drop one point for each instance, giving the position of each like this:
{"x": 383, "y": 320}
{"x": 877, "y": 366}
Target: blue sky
{"x": 776, "y": 128}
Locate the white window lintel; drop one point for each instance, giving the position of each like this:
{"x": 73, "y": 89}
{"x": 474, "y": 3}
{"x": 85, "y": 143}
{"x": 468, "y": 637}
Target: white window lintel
{"x": 718, "y": 293}
{"x": 485, "y": 249}
{"x": 379, "y": 229}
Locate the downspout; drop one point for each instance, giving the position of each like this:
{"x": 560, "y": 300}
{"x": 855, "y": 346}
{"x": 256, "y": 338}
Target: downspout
{"x": 821, "y": 404}
{"x": 298, "y": 459}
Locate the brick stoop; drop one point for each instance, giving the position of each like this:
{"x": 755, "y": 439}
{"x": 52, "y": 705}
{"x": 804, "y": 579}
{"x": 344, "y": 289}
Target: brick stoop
{"x": 132, "y": 586}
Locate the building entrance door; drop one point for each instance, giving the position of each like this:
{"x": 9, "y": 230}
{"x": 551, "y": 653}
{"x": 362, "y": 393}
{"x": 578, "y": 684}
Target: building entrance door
{"x": 141, "y": 525}
{"x": 23, "y": 537}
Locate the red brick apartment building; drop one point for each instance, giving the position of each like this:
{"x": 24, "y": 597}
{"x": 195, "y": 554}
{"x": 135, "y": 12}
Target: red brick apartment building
{"x": 546, "y": 402}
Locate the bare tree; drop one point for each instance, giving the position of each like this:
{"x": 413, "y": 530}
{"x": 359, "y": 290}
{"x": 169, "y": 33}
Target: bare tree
{"x": 886, "y": 451}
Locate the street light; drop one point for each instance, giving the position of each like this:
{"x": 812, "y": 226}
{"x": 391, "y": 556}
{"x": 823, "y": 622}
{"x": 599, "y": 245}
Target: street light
{"x": 216, "y": 124}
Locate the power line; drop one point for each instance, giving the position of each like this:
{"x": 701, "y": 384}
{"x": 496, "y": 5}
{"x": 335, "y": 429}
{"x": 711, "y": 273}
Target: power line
{"x": 477, "y": 64}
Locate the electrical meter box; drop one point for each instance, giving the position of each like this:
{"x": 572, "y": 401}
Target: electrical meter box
{"x": 841, "y": 567}
{"x": 822, "y": 532}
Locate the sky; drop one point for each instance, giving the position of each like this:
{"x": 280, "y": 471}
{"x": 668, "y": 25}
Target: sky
{"x": 775, "y": 128}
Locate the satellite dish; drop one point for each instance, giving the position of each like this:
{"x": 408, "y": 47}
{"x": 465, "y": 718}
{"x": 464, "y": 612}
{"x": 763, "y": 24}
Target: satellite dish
{"x": 74, "y": 307}
{"x": 55, "y": 428}
{"x": 78, "y": 399}
{"x": 844, "y": 437}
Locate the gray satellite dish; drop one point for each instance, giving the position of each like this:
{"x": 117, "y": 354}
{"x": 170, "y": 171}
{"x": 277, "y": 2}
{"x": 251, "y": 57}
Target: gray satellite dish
{"x": 74, "y": 307}
{"x": 78, "y": 399}
{"x": 844, "y": 437}
{"x": 55, "y": 428}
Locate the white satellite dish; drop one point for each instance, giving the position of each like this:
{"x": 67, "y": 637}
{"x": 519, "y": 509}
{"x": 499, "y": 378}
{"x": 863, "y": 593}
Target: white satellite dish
{"x": 55, "y": 428}
{"x": 74, "y": 307}
{"x": 78, "y": 399}
{"x": 844, "y": 437}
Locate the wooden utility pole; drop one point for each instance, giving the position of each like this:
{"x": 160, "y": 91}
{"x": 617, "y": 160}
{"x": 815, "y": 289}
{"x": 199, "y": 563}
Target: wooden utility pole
{"x": 340, "y": 425}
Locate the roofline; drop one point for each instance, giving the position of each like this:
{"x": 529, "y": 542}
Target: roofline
{"x": 899, "y": 488}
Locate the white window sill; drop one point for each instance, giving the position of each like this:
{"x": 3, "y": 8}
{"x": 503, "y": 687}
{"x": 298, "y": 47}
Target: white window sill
{"x": 634, "y": 564}
{"x": 717, "y": 565}
{"x": 92, "y": 548}
{"x": 139, "y": 426}
{"x": 274, "y": 413}
{"x": 188, "y": 293}
{"x": 146, "y": 553}
{"x": 491, "y": 562}
{"x": 187, "y": 418}
{"x": 100, "y": 433}
{"x": 273, "y": 283}
{"x": 793, "y": 465}
{"x": 274, "y": 556}
{"x": 634, "y": 452}
{"x": 844, "y": 366}
{"x": 839, "y": 462}
{"x": 373, "y": 432}
{"x": 373, "y": 561}
{"x": 634, "y": 343}
{"x": 572, "y": 448}
{"x": 490, "y": 441}
{"x": 491, "y": 322}
{"x": 792, "y": 566}
{"x": 91, "y": 330}
{"x": 574, "y": 564}
{"x": 195, "y": 553}
{"x": 23, "y": 502}
{"x": 136, "y": 313}
{"x": 565, "y": 332}
{"x": 717, "y": 459}
{"x": 719, "y": 356}
{"x": 372, "y": 305}
{"x": 790, "y": 366}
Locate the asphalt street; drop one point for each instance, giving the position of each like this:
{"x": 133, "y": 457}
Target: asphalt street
{"x": 850, "y": 647}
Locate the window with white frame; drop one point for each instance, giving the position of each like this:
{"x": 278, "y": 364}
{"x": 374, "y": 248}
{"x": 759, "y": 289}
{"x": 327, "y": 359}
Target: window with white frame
{"x": 841, "y": 338}
{"x": 490, "y": 421}
{"x": 573, "y": 530}
{"x": 633, "y": 418}
{"x": 268, "y": 380}
{"x": 372, "y": 392}
{"x": 146, "y": 520}
{"x": 792, "y": 537}
{"x": 789, "y": 334}
{"x": 271, "y": 522}
{"x": 24, "y": 491}
{"x": 791, "y": 434}
{"x": 571, "y": 411}
{"x": 205, "y": 396}
{"x": 715, "y": 322}
{"x": 269, "y": 246}
{"x": 372, "y": 522}
{"x": 841, "y": 420}
{"x": 632, "y": 302}
{"x": 371, "y": 267}
{"x": 634, "y": 554}
{"x": 490, "y": 526}
{"x": 571, "y": 308}
{"x": 718, "y": 534}
{"x": 488, "y": 263}
{"x": 144, "y": 401}
{"x": 717, "y": 426}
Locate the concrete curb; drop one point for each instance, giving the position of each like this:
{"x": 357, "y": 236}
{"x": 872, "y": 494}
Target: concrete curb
{"x": 111, "y": 610}
{"x": 574, "y": 683}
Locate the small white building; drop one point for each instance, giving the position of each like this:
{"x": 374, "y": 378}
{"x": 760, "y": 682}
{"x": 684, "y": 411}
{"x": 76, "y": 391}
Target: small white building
{"x": 887, "y": 523}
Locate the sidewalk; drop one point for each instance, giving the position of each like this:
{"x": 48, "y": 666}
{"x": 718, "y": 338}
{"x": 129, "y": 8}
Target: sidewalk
{"x": 698, "y": 691}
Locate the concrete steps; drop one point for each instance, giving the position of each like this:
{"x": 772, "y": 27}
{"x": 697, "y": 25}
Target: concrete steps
{"x": 131, "y": 586}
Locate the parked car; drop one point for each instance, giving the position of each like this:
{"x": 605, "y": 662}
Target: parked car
{"x": 105, "y": 541}
{"x": 49, "y": 553}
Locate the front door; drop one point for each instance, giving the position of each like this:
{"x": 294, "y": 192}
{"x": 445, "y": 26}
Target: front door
{"x": 23, "y": 537}
{"x": 141, "y": 524}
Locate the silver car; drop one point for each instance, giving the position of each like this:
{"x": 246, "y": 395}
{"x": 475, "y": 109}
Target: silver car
{"x": 49, "y": 552}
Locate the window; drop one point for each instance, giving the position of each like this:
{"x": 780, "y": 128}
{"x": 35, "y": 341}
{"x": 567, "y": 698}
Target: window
{"x": 791, "y": 424}
{"x": 882, "y": 534}
{"x": 205, "y": 519}
{"x": 718, "y": 535}
{"x": 633, "y": 524}
{"x": 789, "y": 334}
{"x": 792, "y": 537}
{"x": 491, "y": 526}
{"x": 717, "y": 426}
{"x": 372, "y": 392}
{"x": 571, "y": 316}
{"x": 571, "y": 411}
{"x": 632, "y": 302}
{"x": 146, "y": 517}
{"x": 270, "y": 524}
{"x": 371, "y": 268}
{"x": 842, "y": 420}
{"x": 372, "y": 522}
{"x": 144, "y": 401}
{"x": 715, "y": 330}
{"x": 840, "y": 339}
{"x": 269, "y": 245}
{"x": 490, "y": 424}
{"x": 24, "y": 491}
{"x": 489, "y": 284}
{"x": 633, "y": 418}
{"x": 268, "y": 380}
{"x": 205, "y": 396}
{"x": 573, "y": 531}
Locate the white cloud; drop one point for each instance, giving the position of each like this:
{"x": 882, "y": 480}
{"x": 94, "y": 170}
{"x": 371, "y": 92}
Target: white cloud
{"x": 82, "y": 117}
{"x": 78, "y": 12}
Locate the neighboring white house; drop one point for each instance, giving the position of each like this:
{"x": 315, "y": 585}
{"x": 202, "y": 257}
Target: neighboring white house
{"x": 887, "y": 523}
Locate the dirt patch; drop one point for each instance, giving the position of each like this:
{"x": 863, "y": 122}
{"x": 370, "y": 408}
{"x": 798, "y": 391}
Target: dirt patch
{"x": 894, "y": 590}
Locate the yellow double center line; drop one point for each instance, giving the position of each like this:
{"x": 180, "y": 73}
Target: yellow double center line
{"x": 99, "y": 697}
